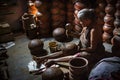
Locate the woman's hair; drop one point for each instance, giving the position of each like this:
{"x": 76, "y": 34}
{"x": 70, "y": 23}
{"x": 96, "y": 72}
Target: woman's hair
{"x": 86, "y": 14}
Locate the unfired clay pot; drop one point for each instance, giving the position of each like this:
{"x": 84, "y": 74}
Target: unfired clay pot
{"x": 117, "y": 23}
{"x": 110, "y": 9}
{"x": 109, "y": 19}
{"x": 106, "y": 37}
{"x": 59, "y": 34}
{"x": 53, "y": 73}
{"x": 108, "y": 28}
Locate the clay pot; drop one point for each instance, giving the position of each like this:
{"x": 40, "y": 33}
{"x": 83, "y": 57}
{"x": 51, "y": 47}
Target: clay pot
{"x": 109, "y": 19}
{"x": 53, "y": 73}
{"x": 35, "y": 44}
{"x": 78, "y": 67}
{"x": 118, "y": 5}
{"x": 102, "y": 6}
{"x": 76, "y": 21}
{"x": 117, "y": 23}
{"x": 75, "y": 13}
{"x": 116, "y": 41}
{"x": 70, "y": 48}
{"x": 116, "y": 31}
{"x": 106, "y": 37}
{"x": 110, "y": 9}
{"x": 37, "y": 3}
{"x": 108, "y": 28}
{"x": 79, "y": 6}
{"x": 111, "y": 1}
{"x": 59, "y": 34}
{"x": 117, "y": 14}
{"x": 78, "y": 28}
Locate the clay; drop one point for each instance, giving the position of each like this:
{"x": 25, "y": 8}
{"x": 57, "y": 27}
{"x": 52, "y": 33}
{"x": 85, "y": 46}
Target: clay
{"x": 109, "y": 19}
{"x": 108, "y": 28}
{"x": 110, "y": 9}
{"x": 53, "y": 73}
{"x": 117, "y": 23}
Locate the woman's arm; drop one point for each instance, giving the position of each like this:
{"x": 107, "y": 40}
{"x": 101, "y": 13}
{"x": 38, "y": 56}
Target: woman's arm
{"x": 93, "y": 41}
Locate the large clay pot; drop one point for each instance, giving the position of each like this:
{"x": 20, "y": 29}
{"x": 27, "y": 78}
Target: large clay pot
{"x": 53, "y": 73}
{"x": 110, "y": 9}
{"x": 59, "y": 34}
{"x": 108, "y": 28}
{"x": 109, "y": 19}
{"x": 77, "y": 68}
{"x": 117, "y": 23}
{"x": 79, "y": 6}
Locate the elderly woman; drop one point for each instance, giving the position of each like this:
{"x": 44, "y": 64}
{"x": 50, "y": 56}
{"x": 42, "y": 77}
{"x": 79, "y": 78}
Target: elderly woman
{"x": 90, "y": 44}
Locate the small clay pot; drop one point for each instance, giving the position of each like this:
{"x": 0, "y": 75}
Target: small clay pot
{"x": 108, "y": 28}
{"x": 106, "y": 37}
{"x": 37, "y": 3}
{"x": 79, "y": 6}
{"x": 118, "y": 5}
{"x": 116, "y": 41}
{"x": 109, "y": 19}
{"x": 117, "y": 23}
{"x": 101, "y": 6}
{"x": 53, "y": 73}
{"x": 59, "y": 34}
{"x": 116, "y": 31}
{"x": 110, "y": 9}
{"x": 78, "y": 28}
{"x": 117, "y": 14}
{"x": 77, "y": 21}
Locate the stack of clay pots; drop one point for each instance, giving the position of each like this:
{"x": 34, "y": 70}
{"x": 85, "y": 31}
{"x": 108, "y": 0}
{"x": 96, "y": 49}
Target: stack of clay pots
{"x": 100, "y": 11}
{"x": 109, "y": 20}
{"x": 43, "y": 19}
{"x": 70, "y": 11}
{"x": 58, "y": 14}
{"x": 78, "y": 68}
{"x": 78, "y": 5}
{"x": 116, "y": 32}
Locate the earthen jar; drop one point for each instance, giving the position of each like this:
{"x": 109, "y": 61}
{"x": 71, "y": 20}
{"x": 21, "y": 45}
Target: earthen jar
{"x": 118, "y": 5}
{"x": 111, "y": 1}
{"x": 76, "y": 21}
{"x": 70, "y": 48}
{"x": 35, "y": 45}
{"x": 117, "y": 14}
{"x": 78, "y": 28}
{"x": 75, "y": 13}
{"x": 117, "y": 23}
{"x": 53, "y": 73}
{"x": 101, "y": 6}
{"x": 116, "y": 31}
{"x": 116, "y": 41}
{"x": 109, "y": 19}
{"x": 110, "y": 9}
{"x": 59, "y": 34}
{"x": 106, "y": 37}
{"x": 78, "y": 67}
{"x": 79, "y": 6}
{"x": 37, "y": 3}
{"x": 108, "y": 28}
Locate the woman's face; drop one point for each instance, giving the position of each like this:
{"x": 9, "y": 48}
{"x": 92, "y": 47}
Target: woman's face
{"x": 85, "y": 22}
